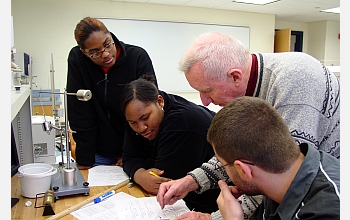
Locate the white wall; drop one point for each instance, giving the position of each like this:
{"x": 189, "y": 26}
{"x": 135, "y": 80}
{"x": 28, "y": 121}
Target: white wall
{"x": 42, "y": 27}
{"x": 296, "y": 26}
{"x": 332, "y": 44}
{"x": 325, "y": 33}
{"x": 173, "y": 38}
{"x": 320, "y": 39}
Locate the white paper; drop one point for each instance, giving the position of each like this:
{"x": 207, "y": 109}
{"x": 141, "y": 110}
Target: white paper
{"x": 84, "y": 212}
{"x": 122, "y": 206}
{"x": 106, "y": 175}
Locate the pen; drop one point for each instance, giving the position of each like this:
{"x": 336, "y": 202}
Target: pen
{"x": 105, "y": 196}
{"x": 153, "y": 174}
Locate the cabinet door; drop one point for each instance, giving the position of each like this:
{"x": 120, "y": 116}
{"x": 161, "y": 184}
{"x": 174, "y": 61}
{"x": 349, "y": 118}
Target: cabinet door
{"x": 282, "y": 40}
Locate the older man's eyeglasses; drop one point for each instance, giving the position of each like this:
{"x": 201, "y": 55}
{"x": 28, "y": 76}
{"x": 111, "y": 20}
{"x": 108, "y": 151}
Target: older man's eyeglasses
{"x": 107, "y": 48}
{"x": 220, "y": 166}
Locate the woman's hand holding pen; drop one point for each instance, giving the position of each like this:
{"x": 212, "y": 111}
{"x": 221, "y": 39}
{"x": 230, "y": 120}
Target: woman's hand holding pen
{"x": 150, "y": 179}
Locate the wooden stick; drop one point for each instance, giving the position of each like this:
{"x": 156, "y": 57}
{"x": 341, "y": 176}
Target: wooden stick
{"x": 87, "y": 201}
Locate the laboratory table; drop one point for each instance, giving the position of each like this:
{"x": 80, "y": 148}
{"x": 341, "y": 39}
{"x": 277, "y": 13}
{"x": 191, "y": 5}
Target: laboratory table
{"x": 21, "y": 211}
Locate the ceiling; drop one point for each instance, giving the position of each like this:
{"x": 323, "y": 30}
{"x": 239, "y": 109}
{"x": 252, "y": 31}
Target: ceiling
{"x": 285, "y": 10}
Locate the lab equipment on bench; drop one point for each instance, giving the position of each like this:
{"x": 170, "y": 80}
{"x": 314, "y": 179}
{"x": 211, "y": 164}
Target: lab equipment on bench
{"x": 68, "y": 179}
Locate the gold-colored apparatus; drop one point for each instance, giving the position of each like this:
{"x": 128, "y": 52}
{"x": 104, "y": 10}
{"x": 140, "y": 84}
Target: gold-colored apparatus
{"x": 48, "y": 202}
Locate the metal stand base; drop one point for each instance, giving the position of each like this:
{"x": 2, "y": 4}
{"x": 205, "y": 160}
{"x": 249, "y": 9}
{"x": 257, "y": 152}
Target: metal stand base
{"x": 82, "y": 187}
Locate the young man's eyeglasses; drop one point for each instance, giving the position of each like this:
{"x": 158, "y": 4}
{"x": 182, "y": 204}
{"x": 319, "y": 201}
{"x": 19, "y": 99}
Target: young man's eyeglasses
{"x": 98, "y": 54}
{"x": 219, "y": 166}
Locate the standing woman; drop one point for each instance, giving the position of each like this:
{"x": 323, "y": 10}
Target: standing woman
{"x": 102, "y": 64}
{"x": 167, "y": 135}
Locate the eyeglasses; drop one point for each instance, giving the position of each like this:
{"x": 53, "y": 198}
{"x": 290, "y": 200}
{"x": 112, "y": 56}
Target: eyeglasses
{"x": 219, "y": 166}
{"x": 107, "y": 48}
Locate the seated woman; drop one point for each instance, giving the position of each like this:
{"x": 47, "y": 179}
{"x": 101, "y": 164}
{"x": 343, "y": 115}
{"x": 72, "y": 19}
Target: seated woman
{"x": 165, "y": 134}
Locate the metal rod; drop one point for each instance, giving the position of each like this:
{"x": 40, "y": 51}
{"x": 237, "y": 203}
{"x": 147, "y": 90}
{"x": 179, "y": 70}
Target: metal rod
{"x": 66, "y": 128}
{"x": 53, "y": 102}
{"x": 68, "y": 93}
{"x": 61, "y": 146}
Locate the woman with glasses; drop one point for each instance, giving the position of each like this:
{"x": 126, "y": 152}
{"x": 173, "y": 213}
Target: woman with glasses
{"x": 166, "y": 134}
{"x": 103, "y": 64}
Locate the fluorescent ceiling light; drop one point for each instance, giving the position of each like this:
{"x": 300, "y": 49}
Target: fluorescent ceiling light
{"x": 256, "y": 2}
{"x": 332, "y": 10}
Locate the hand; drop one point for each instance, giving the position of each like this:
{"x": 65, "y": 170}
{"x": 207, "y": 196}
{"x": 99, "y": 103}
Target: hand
{"x": 194, "y": 216}
{"x": 174, "y": 190}
{"x": 119, "y": 161}
{"x": 149, "y": 182}
{"x": 82, "y": 167}
{"x": 230, "y": 207}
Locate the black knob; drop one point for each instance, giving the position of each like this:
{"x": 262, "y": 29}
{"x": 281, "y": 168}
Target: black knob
{"x": 55, "y": 188}
{"x": 85, "y": 184}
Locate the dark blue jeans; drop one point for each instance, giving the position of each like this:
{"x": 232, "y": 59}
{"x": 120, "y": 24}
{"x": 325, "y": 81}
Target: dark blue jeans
{"x": 101, "y": 160}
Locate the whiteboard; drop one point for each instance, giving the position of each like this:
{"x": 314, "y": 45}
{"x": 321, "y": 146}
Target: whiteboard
{"x": 166, "y": 42}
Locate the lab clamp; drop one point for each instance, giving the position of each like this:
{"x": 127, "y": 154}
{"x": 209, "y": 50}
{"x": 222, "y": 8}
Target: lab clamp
{"x": 68, "y": 180}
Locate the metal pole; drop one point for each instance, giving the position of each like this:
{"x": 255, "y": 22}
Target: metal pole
{"x": 66, "y": 128}
{"x": 53, "y": 101}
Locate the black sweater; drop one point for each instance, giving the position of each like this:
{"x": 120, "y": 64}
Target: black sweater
{"x": 99, "y": 122}
{"x": 180, "y": 147}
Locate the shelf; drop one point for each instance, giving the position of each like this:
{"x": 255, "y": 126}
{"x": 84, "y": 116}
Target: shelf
{"x": 22, "y": 123}
{"x": 18, "y": 98}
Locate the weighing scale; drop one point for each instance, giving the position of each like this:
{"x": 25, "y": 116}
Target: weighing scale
{"x": 57, "y": 181}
